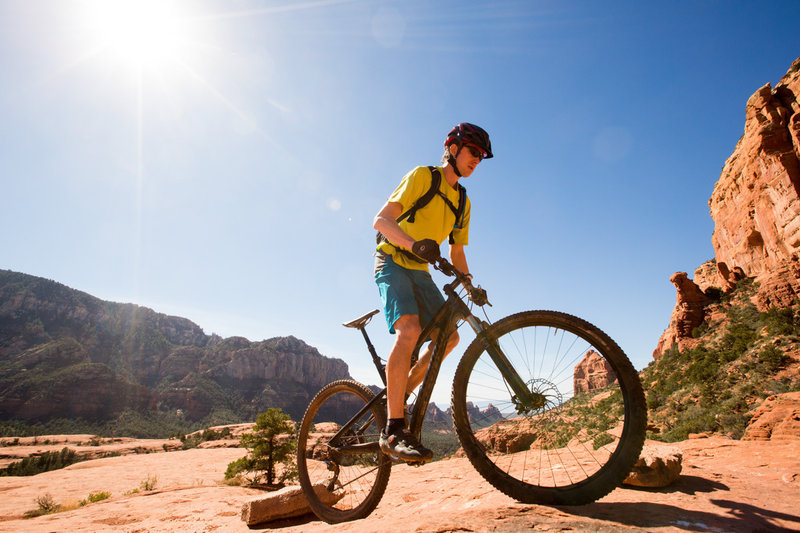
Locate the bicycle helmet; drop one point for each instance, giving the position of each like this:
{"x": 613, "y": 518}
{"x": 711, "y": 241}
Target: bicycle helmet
{"x": 466, "y": 133}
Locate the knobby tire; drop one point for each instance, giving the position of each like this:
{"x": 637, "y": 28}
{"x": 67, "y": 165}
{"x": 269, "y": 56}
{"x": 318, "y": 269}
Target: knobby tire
{"x": 349, "y": 487}
{"x": 574, "y": 447}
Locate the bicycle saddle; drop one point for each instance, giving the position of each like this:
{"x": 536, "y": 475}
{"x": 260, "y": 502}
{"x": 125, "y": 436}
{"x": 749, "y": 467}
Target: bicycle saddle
{"x": 360, "y": 322}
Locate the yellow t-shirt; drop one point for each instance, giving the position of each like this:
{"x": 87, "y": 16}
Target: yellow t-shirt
{"x": 434, "y": 221}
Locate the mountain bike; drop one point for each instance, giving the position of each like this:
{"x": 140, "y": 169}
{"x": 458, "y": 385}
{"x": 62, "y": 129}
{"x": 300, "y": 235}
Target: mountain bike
{"x": 547, "y": 408}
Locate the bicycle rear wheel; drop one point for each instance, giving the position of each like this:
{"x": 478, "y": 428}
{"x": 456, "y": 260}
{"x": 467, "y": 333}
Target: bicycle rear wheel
{"x": 342, "y": 477}
{"x": 582, "y": 431}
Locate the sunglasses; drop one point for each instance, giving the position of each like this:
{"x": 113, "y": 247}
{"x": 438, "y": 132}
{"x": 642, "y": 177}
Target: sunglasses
{"x": 476, "y": 152}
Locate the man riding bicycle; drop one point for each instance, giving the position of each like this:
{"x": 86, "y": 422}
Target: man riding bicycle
{"x": 427, "y": 207}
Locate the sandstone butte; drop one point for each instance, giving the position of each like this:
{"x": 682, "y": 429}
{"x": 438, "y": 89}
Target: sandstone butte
{"x": 755, "y": 206}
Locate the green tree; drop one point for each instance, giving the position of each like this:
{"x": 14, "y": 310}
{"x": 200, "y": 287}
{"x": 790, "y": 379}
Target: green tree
{"x": 271, "y": 444}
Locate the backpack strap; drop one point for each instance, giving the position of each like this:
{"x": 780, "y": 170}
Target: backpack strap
{"x": 422, "y": 201}
{"x": 425, "y": 199}
{"x": 459, "y": 211}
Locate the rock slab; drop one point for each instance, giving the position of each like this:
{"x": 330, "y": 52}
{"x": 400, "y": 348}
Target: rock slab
{"x": 288, "y": 502}
{"x": 778, "y": 418}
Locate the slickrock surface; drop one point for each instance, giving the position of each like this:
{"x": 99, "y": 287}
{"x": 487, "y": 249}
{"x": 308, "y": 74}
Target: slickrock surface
{"x": 725, "y": 485}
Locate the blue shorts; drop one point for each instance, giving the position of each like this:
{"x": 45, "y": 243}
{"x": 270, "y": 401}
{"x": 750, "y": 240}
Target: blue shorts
{"x": 407, "y": 292}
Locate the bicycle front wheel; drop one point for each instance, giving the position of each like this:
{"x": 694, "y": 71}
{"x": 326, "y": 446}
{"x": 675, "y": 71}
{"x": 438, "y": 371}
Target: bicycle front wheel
{"x": 343, "y": 473}
{"x": 578, "y": 431}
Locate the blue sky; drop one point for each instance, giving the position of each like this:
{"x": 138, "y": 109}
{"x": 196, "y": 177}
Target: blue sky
{"x": 223, "y": 161}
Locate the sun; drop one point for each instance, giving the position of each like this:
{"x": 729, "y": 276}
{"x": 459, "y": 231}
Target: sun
{"x": 140, "y": 33}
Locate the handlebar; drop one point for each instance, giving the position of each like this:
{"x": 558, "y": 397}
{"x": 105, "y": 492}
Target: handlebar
{"x": 445, "y": 267}
{"x": 477, "y": 295}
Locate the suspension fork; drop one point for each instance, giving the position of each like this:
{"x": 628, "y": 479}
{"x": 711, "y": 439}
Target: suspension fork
{"x": 524, "y": 399}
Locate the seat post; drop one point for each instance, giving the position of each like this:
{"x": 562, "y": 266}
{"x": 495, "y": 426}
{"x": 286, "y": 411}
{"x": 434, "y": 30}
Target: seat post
{"x": 375, "y": 359}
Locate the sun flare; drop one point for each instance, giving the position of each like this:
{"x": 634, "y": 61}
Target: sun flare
{"x": 142, "y": 33}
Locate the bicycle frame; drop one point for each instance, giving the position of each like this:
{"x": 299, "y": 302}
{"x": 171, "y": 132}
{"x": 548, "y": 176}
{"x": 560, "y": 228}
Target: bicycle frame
{"x": 446, "y": 321}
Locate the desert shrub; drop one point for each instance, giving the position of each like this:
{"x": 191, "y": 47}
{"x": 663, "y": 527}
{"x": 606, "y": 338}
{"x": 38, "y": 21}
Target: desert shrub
{"x": 770, "y": 359}
{"x": 601, "y": 440}
{"x": 654, "y": 400}
{"x": 208, "y": 434}
{"x": 45, "y": 505}
{"x": 746, "y": 314}
{"x": 149, "y": 483}
{"x": 733, "y": 422}
{"x": 705, "y": 365}
{"x": 700, "y": 330}
{"x": 36, "y": 464}
{"x": 737, "y": 340}
{"x": 781, "y": 321}
{"x": 694, "y": 419}
{"x": 95, "y": 497}
{"x": 271, "y": 444}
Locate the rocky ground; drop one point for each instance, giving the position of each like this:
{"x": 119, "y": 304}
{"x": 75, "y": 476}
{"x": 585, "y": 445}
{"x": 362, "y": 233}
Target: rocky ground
{"x": 725, "y": 486}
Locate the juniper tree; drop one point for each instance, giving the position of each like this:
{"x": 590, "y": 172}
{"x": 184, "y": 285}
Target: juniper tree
{"x": 270, "y": 444}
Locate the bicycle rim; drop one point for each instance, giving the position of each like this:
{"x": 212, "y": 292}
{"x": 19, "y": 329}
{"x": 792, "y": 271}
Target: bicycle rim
{"x": 583, "y": 431}
{"x": 342, "y": 486}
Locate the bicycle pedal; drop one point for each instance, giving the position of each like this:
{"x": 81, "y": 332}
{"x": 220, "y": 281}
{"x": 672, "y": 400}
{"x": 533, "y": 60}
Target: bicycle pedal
{"x": 416, "y": 463}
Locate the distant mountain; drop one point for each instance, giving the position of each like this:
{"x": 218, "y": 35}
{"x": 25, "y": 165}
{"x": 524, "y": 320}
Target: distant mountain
{"x": 436, "y": 419}
{"x": 66, "y": 354}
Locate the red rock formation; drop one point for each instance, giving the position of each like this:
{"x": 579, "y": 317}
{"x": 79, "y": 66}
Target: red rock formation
{"x": 717, "y": 275}
{"x": 592, "y": 373}
{"x": 756, "y": 210}
{"x": 756, "y": 202}
{"x": 689, "y": 313}
{"x": 778, "y": 418}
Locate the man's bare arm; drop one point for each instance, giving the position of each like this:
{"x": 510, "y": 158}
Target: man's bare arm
{"x": 386, "y": 222}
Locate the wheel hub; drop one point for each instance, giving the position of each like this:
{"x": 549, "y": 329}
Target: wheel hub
{"x": 544, "y": 395}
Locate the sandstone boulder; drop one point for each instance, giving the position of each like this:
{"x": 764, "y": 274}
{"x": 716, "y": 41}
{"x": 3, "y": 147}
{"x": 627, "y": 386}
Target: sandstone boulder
{"x": 286, "y": 503}
{"x": 658, "y": 466}
{"x": 778, "y": 418}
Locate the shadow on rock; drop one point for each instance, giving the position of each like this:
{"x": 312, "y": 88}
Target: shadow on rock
{"x": 285, "y": 522}
{"x": 753, "y": 513}
{"x": 733, "y": 517}
{"x": 690, "y": 485}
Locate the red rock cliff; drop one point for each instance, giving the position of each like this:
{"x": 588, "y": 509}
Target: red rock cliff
{"x": 756, "y": 201}
{"x": 756, "y": 211}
